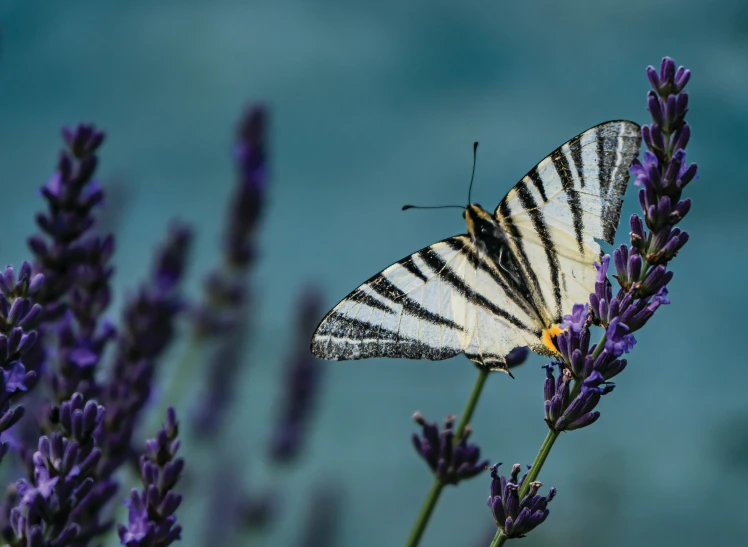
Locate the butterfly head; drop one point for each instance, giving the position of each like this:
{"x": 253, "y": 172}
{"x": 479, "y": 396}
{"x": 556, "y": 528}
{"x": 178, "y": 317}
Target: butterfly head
{"x": 481, "y": 224}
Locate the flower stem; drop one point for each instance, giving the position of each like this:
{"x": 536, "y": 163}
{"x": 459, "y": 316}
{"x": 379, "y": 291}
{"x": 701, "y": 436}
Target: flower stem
{"x": 436, "y": 489}
{"x": 178, "y": 380}
{"x": 425, "y": 514}
{"x": 545, "y": 449}
{"x": 467, "y": 413}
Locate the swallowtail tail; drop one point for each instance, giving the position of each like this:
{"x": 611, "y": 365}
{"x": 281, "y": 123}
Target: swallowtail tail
{"x": 507, "y": 282}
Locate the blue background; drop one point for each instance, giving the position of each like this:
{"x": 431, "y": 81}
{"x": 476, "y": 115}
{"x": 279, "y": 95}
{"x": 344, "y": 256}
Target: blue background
{"x": 375, "y": 105}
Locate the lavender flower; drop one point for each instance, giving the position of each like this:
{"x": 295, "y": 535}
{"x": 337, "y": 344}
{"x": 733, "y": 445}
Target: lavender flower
{"x": 75, "y": 265}
{"x": 152, "y": 522}
{"x": 64, "y": 466}
{"x": 82, "y": 335}
{"x": 574, "y": 346}
{"x": 302, "y": 384}
{"x": 71, "y": 194}
{"x": 147, "y": 329}
{"x": 664, "y": 173}
{"x": 514, "y": 516}
{"x": 17, "y": 318}
{"x": 451, "y": 462}
{"x": 249, "y": 198}
{"x": 223, "y": 316}
{"x": 563, "y": 415}
{"x": 641, "y": 269}
{"x": 225, "y": 288}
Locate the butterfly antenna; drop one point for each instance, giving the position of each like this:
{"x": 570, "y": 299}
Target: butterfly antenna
{"x": 472, "y": 175}
{"x": 406, "y": 207}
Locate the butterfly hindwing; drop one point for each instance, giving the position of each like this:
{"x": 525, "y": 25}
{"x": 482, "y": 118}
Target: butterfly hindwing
{"x": 555, "y": 213}
{"x": 443, "y": 300}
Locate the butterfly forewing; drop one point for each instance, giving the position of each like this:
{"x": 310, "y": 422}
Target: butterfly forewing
{"x": 434, "y": 304}
{"x": 404, "y": 311}
{"x": 556, "y": 211}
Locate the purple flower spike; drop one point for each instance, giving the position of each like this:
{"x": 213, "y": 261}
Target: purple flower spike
{"x": 76, "y": 269}
{"x": 576, "y": 321}
{"x": 562, "y": 413}
{"x": 248, "y": 202}
{"x": 516, "y": 517}
{"x": 18, "y": 317}
{"x": 664, "y": 172}
{"x": 148, "y": 323}
{"x": 50, "y": 506}
{"x": 71, "y": 194}
{"x": 302, "y": 386}
{"x": 450, "y": 461}
{"x": 152, "y": 522}
{"x": 618, "y": 340}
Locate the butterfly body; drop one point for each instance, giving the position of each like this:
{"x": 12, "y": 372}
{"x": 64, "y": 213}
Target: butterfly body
{"x": 510, "y": 279}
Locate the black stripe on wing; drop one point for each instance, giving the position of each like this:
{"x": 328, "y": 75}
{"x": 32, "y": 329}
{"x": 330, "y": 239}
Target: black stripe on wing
{"x": 506, "y": 214}
{"x": 518, "y": 294}
{"x": 564, "y": 173}
{"x": 575, "y": 147}
{"x": 541, "y": 228}
{"x": 363, "y": 340}
{"x": 386, "y": 289}
{"x": 448, "y": 275}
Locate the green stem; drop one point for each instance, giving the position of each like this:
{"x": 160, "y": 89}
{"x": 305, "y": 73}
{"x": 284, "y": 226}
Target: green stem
{"x": 178, "y": 380}
{"x": 425, "y": 514}
{"x": 467, "y": 413}
{"x": 545, "y": 449}
{"x": 436, "y": 489}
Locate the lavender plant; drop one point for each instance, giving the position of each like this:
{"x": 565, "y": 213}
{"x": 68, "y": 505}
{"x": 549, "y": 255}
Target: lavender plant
{"x": 65, "y": 500}
{"x": 18, "y": 316}
{"x": 576, "y": 382}
{"x": 64, "y": 468}
{"x": 147, "y": 328}
{"x": 449, "y": 456}
{"x": 642, "y": 275}
{"x": 78, "y": 444}
{"x": 303, "y": 376}
{"x": 152, "y": 522}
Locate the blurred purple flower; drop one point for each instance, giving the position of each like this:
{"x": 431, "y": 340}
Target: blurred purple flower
{"x": 223, "y": 316}
{"x": 323, "y": 518}
{"x": 147, "y": 327}
{"x": 225, "y": 288}
{"x": 514, "y": 516}
{"x": 450, "y": 461}
{"x": 302, "y": 380}
{"x": 249, "y": 197}
{"x": 152, "y": 522}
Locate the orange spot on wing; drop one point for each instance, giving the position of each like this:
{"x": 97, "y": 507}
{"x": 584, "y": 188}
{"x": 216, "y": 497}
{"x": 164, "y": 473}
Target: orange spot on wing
{"x": 549, "y": 337}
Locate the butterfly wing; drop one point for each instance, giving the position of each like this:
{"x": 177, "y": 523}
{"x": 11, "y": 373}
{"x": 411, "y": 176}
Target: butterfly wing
{"x": 556, "y": 211}
{"x": 434, "y": 304}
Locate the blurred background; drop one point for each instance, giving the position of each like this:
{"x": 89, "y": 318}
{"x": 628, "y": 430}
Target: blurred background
{"x": 372, "y": 106}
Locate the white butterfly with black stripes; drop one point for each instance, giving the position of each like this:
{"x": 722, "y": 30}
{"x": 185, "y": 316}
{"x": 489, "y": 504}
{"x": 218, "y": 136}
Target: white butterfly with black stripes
{"x": 507, "y": 282}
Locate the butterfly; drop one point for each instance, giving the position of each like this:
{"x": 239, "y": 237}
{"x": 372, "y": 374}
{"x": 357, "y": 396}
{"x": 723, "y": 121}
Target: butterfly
{"x": 510, "y": 279}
